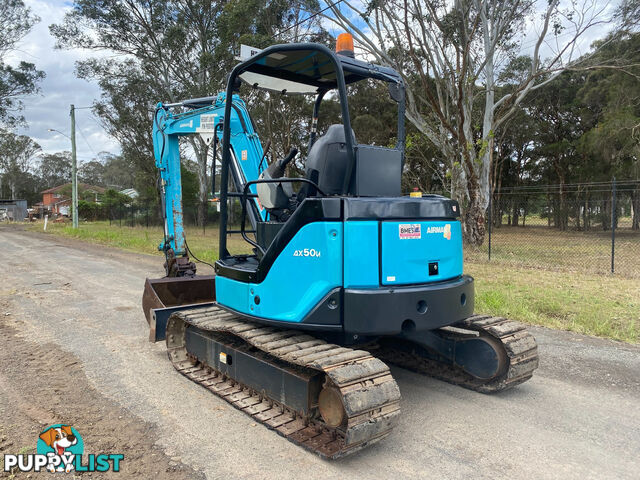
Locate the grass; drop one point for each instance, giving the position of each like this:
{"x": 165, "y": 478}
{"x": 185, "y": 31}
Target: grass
{"x": 570, "y": 251}
{"x": 601, "y": 305}
{"x": 145, "y": 239}
{"x": 561, "y": 292}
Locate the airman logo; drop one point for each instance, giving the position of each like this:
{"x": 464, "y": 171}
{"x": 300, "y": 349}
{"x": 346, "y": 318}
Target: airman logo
{"x": 444, "y": 230}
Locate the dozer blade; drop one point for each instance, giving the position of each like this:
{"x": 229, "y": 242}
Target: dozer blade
{"x": 164, "y": 296}
{"x": 504, "y": 354}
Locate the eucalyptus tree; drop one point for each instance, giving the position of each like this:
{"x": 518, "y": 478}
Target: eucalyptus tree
{"x": 146, "y": 51}
{"x": 451, "y": 55}
{"x": 18, "y": 81}
{"x": 611, "y": 98}
{"x": 152, "y": 50}
{"x": 17, "y": 158}
{"x": 54, "y": 169}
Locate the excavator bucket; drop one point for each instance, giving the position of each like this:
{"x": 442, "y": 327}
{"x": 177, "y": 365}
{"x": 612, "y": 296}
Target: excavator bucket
{"x": 164, "y": 296}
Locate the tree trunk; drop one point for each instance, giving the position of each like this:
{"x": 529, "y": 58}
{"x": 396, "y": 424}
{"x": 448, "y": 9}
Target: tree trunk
{"x": 563, "y": 213}
{"x": 578, "y": 213}
{"x": 474, "y": 222}
{"x": 605, "y": 215}
{"x": 586, "y": 221}
{"x": 563, "y": 208}
{"x": 635, "y": 209}
{"x": 203, "y": 185}
{"x": 496, "y": 215}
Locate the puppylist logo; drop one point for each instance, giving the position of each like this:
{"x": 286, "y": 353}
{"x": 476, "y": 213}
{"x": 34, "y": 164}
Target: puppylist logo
{"x": 59, "y": 449}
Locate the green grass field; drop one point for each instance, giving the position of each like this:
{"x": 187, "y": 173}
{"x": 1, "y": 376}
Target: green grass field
{"x": 567, "y": 297}
{"x": 601, "y": 305}
{"x": 145, "y": 239}
{"x": 572, "y": 251}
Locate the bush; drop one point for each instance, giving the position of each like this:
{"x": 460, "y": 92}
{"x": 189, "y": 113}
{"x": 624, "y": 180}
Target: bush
{"x": 92, "y": 211}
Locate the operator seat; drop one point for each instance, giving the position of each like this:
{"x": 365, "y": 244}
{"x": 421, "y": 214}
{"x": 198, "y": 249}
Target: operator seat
{"x": 327, "y": 162}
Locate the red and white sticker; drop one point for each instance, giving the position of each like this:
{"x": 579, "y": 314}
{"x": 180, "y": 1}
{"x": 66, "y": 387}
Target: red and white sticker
{"x": 409, "y": 230}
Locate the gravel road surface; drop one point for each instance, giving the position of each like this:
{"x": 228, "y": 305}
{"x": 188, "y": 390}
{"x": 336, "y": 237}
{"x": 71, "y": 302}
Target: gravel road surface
{"x": 73, "y": 348}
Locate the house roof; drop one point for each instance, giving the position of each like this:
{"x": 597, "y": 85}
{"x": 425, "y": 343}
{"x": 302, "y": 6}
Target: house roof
{"x": 130, "y": 192}
{"x": 81, "y": 186}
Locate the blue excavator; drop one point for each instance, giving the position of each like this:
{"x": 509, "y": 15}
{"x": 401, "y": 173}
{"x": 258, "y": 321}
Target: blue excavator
{"x": 343, "y": 274}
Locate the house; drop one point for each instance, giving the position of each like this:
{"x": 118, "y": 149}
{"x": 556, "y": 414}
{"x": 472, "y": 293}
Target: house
{"x": 130, "y": 192}
{"x": 57, "y": 200}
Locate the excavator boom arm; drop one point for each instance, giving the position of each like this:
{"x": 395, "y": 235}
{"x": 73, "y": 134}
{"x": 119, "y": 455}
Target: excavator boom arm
{"x": 204, "y": 118}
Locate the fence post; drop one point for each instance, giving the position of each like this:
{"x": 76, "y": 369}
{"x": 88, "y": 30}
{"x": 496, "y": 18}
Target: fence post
{"x": 613, "y": 223}
{"x": 490, "y": 219}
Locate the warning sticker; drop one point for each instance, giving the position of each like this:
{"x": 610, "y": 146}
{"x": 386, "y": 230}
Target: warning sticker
{"x": 409, "y": 230}
{"x": 207, "y": 123}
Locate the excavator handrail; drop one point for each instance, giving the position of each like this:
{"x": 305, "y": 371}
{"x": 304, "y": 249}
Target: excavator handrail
{"x": 245, "y": 196}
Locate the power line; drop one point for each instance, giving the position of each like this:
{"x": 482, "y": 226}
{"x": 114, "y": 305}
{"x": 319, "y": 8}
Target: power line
{"x": 331, "y": 5}
{"x": 86, "y": 141}
{"x": 579, "y": 184}
{"x": 556, "y": 192}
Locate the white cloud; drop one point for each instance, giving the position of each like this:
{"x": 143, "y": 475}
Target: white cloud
{"x": 60, "y": 89}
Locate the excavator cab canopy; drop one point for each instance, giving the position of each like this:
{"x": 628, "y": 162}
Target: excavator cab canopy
{"x": 307, "y": 68}
{"x": 313, "y": 69}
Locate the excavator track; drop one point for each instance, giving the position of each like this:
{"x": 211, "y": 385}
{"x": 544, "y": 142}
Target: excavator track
{"x": 361, "y": 384}
{"x": 517, "y": 346}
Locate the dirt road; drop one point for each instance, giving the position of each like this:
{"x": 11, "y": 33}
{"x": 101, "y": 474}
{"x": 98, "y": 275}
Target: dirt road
{"x": 73, "y": 348}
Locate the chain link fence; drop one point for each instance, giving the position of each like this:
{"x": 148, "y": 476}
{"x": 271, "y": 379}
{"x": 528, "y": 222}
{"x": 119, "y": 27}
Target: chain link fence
{"x": 150, "y": 215}
{"x": 585, "y": 227}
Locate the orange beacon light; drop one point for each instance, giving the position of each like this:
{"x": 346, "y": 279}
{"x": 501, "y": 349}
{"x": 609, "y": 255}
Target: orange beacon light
{"x": 344, "y": 45}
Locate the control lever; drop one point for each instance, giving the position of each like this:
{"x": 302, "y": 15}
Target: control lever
{"x": 277, "y": 168}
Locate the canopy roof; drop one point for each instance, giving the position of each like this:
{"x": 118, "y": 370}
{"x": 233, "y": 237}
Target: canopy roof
{"x": 306, "y": 69}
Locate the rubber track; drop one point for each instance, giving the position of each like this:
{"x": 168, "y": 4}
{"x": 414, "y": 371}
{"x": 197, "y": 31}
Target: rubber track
{"x": 370, "y": 395}
{"x": 519, "y": 345}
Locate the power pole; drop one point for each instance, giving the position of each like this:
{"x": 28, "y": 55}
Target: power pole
{"x": 74, "y": 170}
